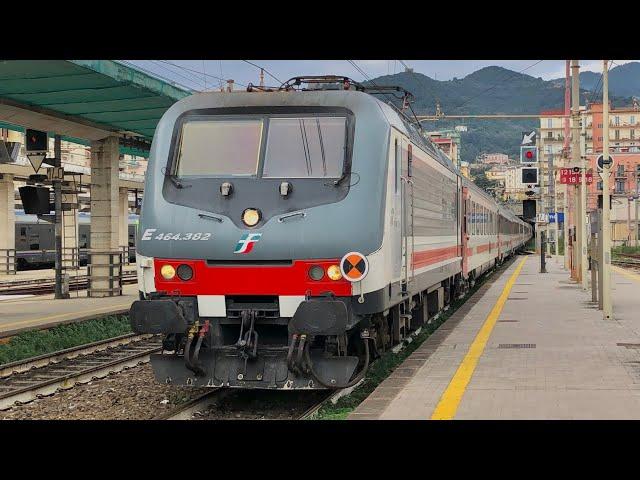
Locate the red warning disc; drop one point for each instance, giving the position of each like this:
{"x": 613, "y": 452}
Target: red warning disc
{"x": 354, "y": 266}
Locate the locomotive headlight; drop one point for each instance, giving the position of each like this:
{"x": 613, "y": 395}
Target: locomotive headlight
{"x": 251, "y": 217}
{"x": 185, "y": 272}
{"x": 167, "y": 272}
{"x": 316, "y": 273}
{"x": 333, "y": 272}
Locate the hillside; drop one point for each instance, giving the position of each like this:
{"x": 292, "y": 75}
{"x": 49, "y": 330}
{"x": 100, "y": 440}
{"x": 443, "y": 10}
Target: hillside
{"x": 488, "y": 90}
{"x": 624, "y": 80}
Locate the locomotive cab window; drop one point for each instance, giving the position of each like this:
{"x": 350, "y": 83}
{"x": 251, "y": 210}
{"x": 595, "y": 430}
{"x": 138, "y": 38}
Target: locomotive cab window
{"x": 219, "y": 148}
{"x": 312, "y": 147}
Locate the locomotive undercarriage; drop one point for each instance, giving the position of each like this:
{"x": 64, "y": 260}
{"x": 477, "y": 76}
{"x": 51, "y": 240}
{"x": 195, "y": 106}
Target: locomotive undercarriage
{"x": 325, "y": 345}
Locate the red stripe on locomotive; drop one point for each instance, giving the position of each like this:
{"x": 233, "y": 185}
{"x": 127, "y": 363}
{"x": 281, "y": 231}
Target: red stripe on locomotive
{"x": 251, "y": 279}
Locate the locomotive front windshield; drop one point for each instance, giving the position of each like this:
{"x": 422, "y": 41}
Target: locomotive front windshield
{"x": 294, "y": 147}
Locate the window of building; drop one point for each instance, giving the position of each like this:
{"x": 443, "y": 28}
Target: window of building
{"x": 549, "y": 122}
{"x": 632, "y": 134}
{"x": 632, "y": 119}
{"x": 619, "y": 186}
{"x": 599, "y": 185}
{"x": 549, "y": 134}
{"x": 599, "y": 125}
{"x": 617, "y": 134}
{"x": 617, "y": 120}
{"x": 600, "y": 138}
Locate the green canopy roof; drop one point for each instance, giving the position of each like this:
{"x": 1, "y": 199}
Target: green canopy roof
{"x": 103, "y": 93}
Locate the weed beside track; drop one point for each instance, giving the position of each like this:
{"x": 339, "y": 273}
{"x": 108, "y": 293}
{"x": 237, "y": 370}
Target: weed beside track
{"x": 40, "y": 342}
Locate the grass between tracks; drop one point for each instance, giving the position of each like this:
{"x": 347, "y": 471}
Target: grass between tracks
{"x": 622, "y": 249}
{"x": 39, "y": 342}
{"x": 388, "y": 362}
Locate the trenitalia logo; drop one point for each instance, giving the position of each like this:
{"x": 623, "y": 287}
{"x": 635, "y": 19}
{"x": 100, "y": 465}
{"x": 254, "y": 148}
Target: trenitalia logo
{"x": 245, "y": 244}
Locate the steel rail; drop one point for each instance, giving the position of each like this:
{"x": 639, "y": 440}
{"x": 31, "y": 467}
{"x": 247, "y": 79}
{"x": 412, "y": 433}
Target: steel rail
{"x": 44, "y": 376}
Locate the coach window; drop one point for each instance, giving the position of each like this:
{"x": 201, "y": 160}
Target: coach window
{"x": 219, "y": 148}
{"x": 312, "y": 147}
{"x": 409, "y": 160}
{"x": 484, "y": 220}
{"x": 474, "y": 217}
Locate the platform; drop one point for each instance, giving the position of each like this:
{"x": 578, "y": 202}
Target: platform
{"x": 525, "y": 346}
{"x": 19, "y": 313}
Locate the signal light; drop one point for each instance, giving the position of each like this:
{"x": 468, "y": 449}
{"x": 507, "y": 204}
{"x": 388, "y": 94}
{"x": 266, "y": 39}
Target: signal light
{"x": 528, "y": 154}
{"x": 529, "y": 176}
{"x": 36, "y": 141}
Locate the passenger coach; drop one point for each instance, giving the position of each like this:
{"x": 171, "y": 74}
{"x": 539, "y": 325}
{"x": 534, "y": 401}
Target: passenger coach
{"x": 288, "y": 237}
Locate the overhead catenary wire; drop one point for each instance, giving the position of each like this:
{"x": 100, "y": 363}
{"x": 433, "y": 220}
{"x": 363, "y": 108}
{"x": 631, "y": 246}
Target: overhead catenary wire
{"x": 364, "y": 74}
{"x": 153, "y": 74}
{"x": 200, "y": 73}
{"x": 265, "y": 71}
{"x": 185, "y": 75}
{"x": 595, "y": 93}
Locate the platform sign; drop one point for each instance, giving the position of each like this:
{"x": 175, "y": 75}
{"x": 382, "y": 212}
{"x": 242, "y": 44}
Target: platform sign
{"x": 569, "y": 177}
{"x": 528, "y": 138}
{"x": 55, "y": 173}
{"x": 542, "y": 218}
{"x": 554, "y": 215}
{"x": 600, "y": 162}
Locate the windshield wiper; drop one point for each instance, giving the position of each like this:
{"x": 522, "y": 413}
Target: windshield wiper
{"x": 339, "y": 181}
{"x": 176, "y": 182}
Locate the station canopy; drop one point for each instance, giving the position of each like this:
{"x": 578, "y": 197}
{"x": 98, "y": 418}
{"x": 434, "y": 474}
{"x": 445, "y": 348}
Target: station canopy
{"x": 84, "y": 99}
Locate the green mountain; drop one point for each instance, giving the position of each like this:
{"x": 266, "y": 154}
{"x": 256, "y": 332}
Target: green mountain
{"x": 490, "y": 90}
{"x": 624, "y": 80}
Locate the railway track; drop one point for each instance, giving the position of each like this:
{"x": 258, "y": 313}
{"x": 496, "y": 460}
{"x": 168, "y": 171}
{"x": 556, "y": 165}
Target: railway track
{"x": 47, "y": 285}
{"x": 199, "y": 405}
{"x": 24, "y": 381}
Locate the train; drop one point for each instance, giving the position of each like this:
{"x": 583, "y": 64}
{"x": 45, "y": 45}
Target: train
{"x": 35, "y": 240}
{"x": 289, "y": 237}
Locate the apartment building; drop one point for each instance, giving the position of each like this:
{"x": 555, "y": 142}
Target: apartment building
{"x": 624, "y": 147}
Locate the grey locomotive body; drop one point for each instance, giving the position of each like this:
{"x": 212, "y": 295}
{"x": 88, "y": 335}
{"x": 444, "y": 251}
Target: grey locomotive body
{"x": 288, "y": 237}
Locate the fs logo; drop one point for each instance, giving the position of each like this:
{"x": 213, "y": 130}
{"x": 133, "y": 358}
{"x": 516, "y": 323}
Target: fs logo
{"x": 245, "y": 244}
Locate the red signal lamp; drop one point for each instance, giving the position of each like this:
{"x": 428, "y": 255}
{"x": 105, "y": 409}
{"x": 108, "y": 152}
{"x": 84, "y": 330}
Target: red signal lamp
{"x": 529, "y": 154}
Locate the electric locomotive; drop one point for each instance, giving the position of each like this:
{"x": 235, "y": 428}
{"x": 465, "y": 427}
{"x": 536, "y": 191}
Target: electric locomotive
{"x": 288, "y": 237}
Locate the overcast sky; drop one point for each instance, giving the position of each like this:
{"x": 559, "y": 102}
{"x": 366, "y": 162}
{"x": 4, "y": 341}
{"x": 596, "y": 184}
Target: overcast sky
{"x": 189, "y": 73}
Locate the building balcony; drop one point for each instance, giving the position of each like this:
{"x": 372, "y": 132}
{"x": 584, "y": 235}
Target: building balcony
{"x": 623, "y": 124}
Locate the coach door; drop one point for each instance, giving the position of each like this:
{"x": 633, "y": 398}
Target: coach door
{"x": 395, "y": 204}
{"x": 407, "y": 213}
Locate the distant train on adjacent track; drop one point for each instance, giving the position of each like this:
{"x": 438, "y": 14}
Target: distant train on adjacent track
{"x": 288, "y": 237}
{"x": 35, "y": 240}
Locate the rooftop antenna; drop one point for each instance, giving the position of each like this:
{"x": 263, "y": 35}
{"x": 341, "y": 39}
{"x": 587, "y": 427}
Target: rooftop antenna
{"x": 262, "y": 77}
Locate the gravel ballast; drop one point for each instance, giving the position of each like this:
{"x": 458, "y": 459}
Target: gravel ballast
{"x": 132, "y": 394}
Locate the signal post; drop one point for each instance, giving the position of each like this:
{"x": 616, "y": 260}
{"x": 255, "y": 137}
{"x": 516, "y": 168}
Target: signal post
{"x": 607, "y": 308}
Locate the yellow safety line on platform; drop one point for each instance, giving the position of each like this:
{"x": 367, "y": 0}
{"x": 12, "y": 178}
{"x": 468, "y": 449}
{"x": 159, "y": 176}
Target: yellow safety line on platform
{"x": 627, "y": 274}
{"x": 6, "y": 326}
{"x": 452, "y": 396}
